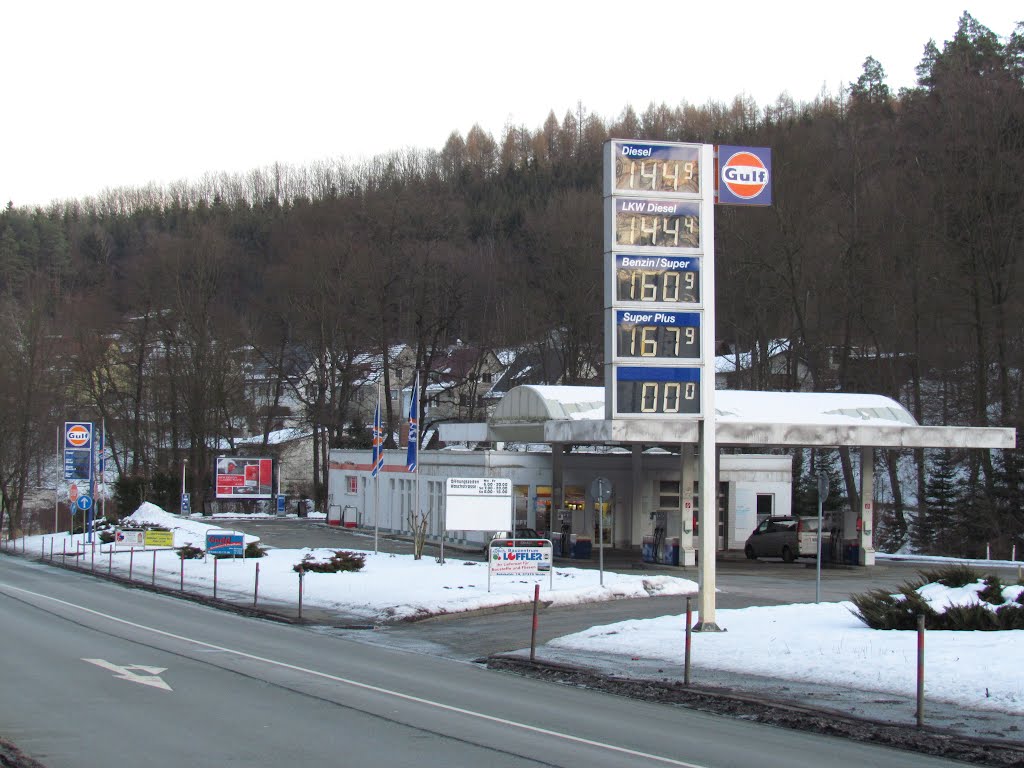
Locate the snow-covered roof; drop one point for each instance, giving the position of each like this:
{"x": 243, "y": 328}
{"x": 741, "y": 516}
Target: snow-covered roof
{"x": 533, "y": 403}
{"x": 533, "y": 413}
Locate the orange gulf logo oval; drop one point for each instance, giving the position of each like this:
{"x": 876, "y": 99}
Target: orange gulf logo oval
{"x": 78, "y": 435}
{"x": 744, "y": 174}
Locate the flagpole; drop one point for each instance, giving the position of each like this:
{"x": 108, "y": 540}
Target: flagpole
{"x": 377, "y": 437}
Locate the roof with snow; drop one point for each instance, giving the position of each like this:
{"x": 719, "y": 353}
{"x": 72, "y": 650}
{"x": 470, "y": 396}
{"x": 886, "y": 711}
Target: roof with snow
{"x": 575, "y": 415}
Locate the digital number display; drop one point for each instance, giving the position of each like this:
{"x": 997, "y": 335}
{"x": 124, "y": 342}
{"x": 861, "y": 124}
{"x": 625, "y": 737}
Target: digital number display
{"x": 642, "y": 167}
{"x": 644, "y": 223}
{"x": 658, "y": 335}
{"x": 641, "y": 390}
{"x": 663, "y": 279}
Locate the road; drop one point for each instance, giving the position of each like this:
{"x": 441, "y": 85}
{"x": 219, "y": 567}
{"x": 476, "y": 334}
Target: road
{"x": 95, "y": 674}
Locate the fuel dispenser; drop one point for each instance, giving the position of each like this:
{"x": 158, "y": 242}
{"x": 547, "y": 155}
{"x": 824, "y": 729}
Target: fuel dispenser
{"x": 660, "y": 532}
{"x": 562, "y": 537}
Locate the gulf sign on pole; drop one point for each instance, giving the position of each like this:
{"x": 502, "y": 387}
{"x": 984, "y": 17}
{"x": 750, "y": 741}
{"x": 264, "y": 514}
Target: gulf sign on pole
{"x": 744, "y": 175}
{"x": 78, "y": 450}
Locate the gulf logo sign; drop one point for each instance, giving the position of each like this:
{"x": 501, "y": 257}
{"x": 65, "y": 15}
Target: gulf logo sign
{"x": 744, "y": 175}
{"x": 77, "y": 435}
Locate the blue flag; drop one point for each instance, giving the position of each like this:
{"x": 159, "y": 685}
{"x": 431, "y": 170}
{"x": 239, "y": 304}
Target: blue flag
{"x": 414, "y": 427}
{"x": 377, "y": 462}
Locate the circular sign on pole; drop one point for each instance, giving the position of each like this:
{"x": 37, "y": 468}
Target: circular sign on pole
{"x": 84, "y": 502}
{"x": 822, "y": 485}
{"x": 73, "y": 493}
{"x": 601, "y": 488}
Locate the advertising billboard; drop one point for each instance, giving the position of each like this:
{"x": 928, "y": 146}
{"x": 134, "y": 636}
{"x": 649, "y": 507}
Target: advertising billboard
{"x": 242, "y": 478}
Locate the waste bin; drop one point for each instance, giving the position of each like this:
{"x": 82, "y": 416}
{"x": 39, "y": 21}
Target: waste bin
{"x": 581, "y": 549}
{"x": 851, "y": 554}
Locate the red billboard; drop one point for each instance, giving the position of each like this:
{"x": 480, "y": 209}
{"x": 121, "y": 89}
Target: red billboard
{"x": 244, "y": 478}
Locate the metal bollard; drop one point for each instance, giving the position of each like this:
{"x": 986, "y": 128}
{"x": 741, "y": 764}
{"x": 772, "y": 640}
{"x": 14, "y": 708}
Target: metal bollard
{"x": 256, "y": 589}
{"x": 689, "y": 638}
{"x": 533, "y": 633}
{"x": 920, "y": 671}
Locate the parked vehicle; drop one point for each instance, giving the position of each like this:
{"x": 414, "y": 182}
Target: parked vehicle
{"x": 524, "y": 537}
{"x": 786, "y": 537}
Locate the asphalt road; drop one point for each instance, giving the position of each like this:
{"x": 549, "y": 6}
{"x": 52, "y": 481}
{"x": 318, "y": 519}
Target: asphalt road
{"x": 96, "y": 674}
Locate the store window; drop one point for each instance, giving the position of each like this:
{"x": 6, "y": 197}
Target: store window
{"x": 765, "y": 505}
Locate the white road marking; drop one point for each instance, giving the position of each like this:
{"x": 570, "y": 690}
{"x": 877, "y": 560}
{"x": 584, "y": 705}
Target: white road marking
{"x": 367, "y": 687}
{"x": 130, "y": 673}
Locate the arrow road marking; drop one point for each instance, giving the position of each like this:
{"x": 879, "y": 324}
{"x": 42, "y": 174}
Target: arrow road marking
{"x": 130, "y": 673}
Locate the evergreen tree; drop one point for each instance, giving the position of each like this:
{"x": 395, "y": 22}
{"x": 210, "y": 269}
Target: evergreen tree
{"x": 934, "y": 530}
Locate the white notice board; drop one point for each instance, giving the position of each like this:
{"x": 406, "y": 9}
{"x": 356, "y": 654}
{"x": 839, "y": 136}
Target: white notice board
{"x": 478, "y": 504}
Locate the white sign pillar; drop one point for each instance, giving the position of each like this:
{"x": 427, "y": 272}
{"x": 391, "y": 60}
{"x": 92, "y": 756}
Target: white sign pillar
{"x": 707, "y": 540}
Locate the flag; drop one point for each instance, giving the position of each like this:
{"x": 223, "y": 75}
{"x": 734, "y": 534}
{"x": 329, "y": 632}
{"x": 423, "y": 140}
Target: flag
{"x": 414, "y": 428}
{"x": 377, "y": 462}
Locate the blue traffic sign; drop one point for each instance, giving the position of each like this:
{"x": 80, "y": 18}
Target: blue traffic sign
{"x": 84, "y": 502}
{"x": 186, "y": 504}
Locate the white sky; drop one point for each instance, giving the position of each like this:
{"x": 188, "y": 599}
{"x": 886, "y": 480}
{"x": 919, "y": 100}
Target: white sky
{"x": 121, "y": 93}
{"x": 822, "y": 644}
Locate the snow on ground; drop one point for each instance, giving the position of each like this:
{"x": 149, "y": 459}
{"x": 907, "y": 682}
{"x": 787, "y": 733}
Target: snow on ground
{"x": 388, "y": 587}
{"x": 822, "y": 644}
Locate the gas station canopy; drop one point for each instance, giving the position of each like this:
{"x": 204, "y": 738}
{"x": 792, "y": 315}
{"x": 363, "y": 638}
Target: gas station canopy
{"x": 575, "y": 415}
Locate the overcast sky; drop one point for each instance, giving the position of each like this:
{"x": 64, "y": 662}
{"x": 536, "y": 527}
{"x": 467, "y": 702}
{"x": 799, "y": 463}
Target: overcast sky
{"x": 111, "y": 93}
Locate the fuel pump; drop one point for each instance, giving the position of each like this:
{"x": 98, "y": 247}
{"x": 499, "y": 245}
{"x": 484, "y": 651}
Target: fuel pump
{"x": 660, "y": 531}
{"x": 565, "y": 525}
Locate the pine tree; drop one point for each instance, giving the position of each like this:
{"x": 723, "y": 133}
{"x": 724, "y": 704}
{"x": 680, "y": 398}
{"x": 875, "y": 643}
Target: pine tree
{"x": 939, "y": 516}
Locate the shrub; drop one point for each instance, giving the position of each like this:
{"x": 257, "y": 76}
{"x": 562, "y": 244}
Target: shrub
{"x": 341, "y": 560}
{"x": 968, "y": 617}
{"x": 993, "y": 591}
{"x": 881, "y": 610}
{"x": 189, "y": 552}
{"x": 955, "y": 575}
{"x": 1010, "y": 616}
{"x": 253, "y": 549}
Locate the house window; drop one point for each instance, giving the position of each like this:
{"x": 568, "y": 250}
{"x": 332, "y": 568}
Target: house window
{"x": 463, "y": 400}
{"x": 486, "y": 378}
{"x": 352, "y": 484}
{"x": 668, "y": 494}
{"x": 765, "y": 505}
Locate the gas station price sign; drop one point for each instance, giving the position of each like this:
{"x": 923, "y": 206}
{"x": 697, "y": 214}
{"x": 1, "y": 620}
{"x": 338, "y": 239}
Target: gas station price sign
{"x": 646, "y": 222}
{"x": 640, "y": 167}
{"x": 657, "y": 279}
{"x": 654, "y": 391}
{"x": 657, "y": 335}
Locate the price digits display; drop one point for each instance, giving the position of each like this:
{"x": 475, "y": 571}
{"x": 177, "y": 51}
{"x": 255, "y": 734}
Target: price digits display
{"x": 657, "y": 278}
{"x": 640, "y": 222}
{"x": 654, "y": 168}
{"x": 658, "y": 335}
{"x": 643, "y": 390}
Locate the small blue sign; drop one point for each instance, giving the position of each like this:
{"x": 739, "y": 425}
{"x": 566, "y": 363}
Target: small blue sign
{"x": 225, "y": 543}
{"x": 84, "y": 502}
{"x": 280, "y": 504}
